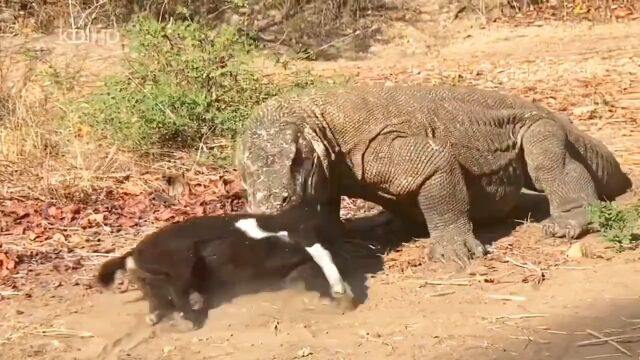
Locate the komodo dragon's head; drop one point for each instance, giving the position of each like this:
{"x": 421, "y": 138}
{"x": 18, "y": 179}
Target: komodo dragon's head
{"x": 277, "y": 167}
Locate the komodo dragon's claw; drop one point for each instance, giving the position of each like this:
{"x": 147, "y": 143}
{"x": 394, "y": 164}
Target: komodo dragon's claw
{"x": 458, "y": 249}
{"x": 570, "y": 225}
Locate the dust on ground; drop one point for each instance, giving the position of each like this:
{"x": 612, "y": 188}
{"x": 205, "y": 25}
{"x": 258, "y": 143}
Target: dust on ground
{"x": 527, "y": 301}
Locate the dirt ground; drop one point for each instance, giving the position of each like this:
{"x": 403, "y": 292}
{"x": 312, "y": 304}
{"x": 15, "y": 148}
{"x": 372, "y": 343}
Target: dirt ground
{"x": 527, "y": 301}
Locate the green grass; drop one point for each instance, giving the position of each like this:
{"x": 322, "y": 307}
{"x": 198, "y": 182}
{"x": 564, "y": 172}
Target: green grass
{"x": 185, "y": 83}
{"x": 618, "y": 225}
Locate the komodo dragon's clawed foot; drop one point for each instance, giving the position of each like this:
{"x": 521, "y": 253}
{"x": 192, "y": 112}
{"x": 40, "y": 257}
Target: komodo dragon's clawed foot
{"x": 570, "y": 225}
{"x": 457, "y": 249}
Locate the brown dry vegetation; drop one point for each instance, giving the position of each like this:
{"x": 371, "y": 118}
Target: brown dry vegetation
{"x": 71, "y": 198}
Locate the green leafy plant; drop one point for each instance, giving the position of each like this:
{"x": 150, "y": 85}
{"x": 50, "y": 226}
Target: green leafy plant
{"x": 617, "y": 225}
{"x": 185, "y": 82}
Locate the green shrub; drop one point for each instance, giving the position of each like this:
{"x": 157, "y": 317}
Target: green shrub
{"x": 185, "y": 82}
{"x": 617, "y": 225}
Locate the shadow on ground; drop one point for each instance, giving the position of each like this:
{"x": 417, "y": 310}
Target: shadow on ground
{"x": 386, "y": 233}
{"x": 368, "y": 238}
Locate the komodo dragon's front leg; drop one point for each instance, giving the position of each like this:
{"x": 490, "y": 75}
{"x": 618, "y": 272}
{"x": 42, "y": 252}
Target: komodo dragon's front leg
{"x": 424, "y": 167}
{"x": 563, "y": 179}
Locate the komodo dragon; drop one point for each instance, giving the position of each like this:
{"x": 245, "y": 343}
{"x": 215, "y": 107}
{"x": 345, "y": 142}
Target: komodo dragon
{"x": 446, "y": 157}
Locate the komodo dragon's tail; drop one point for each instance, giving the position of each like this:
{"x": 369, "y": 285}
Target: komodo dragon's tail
{"x": 601, "y": 163}
{"x": 108, "y": 269}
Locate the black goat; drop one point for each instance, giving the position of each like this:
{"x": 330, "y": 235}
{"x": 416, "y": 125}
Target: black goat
{"x": 178, "y": 265}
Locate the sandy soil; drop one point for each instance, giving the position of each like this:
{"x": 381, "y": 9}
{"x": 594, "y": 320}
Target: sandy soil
{"x": 64, "y": 316}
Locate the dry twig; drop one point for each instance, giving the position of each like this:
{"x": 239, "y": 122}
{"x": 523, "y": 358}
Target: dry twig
{"x": 539, "y": 275}
{"x": 602, "y": 338}
{"x": 515, "y": 316}
{"x": 506, "y": 297}
{"x": 62, "y": 332}
{"x": 627, "y": 338}
{"x": 441, "y": 293}
{"x": 457, "y": 282}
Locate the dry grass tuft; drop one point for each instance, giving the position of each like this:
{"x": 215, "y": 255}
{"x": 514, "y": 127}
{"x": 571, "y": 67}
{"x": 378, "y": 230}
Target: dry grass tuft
{"x": 41, "y": 156}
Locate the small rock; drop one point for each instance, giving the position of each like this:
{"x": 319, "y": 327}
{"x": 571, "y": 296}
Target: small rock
{"x": 478, "y": 270}
{"x": 167, "y": 349}
{"x": 58, "y": 237}
{"x": 578, "y": 250}
{"x": 304, "y": 352}
{"x": 58, "y": 345}
{"x": 583, "y": 110}
{"x": 482, "y": 70}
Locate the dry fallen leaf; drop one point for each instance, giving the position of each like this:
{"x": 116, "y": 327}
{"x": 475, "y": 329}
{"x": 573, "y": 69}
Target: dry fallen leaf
{"x": 126, "y": 222}
{"x": 18, "y": 230}
{"x": 52, "y": 212}
{"x": 165, "y": 215}
{"x": 198, "y": 210}
{"x": 7, "y": 265}
{"x": 96, "y": 218}
{"x": 621, "y": 12}
{"x": 71, "y": 209}
{"x": 113, "y": 209}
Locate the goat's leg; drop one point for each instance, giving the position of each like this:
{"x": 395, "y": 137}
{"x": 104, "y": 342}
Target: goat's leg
{"x": 340, "y": 290}
{"x": 182, "y": 300}
{"x": 159, "y": 305}
{"x": 156, "y": 313}
{"x": 323, "y": 258}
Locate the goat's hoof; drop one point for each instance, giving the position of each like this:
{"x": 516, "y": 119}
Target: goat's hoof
{"x": 196, "y": 300}
{"x": 153, "y": 318}
{"x": 183, "y": 323}
{"x": 195, "y": 320}
{"x": 345, "y": 303}
{"x": 345, "y": 300}
{"x": 345, "y": 292}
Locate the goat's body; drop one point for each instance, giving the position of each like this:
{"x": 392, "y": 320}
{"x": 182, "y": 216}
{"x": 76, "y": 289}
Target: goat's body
{"x": 203, "y": 254}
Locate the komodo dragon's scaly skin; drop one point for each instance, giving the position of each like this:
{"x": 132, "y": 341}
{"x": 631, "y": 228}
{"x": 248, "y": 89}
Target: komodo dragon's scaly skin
{"x": 443, "y": 156}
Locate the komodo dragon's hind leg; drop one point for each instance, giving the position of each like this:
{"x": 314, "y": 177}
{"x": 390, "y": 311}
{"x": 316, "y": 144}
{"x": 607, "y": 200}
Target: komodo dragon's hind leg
{"x": 418, "y": 164}
{"x": 563, "y": 179}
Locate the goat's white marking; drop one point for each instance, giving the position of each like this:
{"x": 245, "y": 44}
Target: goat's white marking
{"x": 251, "y": 229}
{"x": 323, "y": 258}
{"x": 130, "y": 264}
